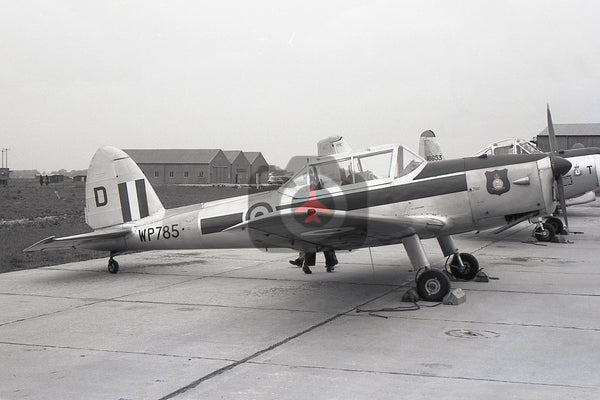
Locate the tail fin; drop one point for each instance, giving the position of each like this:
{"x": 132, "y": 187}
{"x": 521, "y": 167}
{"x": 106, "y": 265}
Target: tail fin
{"x": 117, "y": 191}
{"x": 429, "y": 148}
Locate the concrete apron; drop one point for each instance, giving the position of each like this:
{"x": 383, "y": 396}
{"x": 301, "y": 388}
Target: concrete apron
{"x": 245, "y": 324}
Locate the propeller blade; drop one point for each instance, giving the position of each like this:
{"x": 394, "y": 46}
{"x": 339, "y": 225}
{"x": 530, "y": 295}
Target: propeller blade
{"x": 561, "y": 198}
{"x": 560, "y": 166}
{"x": 551, "y": 134}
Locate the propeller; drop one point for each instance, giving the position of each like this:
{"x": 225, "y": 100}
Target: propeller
{"x": 560, "y": 166}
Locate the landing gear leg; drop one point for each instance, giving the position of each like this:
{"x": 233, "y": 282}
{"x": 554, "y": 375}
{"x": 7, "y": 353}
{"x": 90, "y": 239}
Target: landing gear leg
{"x": 432, "y": 285}
{"x": 113, "y": 265}
{"x": 462, "y": 265}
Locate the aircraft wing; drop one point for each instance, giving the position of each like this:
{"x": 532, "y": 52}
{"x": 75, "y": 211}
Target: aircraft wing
{"x": 341, "y": 230}
{"x": 69, "y": 242}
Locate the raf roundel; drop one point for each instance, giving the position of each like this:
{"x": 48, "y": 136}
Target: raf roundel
{"x": 258, "y": 210}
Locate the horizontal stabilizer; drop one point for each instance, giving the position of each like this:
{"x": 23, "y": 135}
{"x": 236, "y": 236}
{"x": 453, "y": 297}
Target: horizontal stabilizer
{"x": 71, "y": 242}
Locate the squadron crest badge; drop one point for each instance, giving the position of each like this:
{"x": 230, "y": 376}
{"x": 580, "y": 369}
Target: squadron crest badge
{"x": 497, "y": 181}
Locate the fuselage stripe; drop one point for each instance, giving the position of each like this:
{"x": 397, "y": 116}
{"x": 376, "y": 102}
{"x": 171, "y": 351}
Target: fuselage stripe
{"x": 389, "y": 195}
{"x": 220, "y": 223}
{"x": 444, "y": 167}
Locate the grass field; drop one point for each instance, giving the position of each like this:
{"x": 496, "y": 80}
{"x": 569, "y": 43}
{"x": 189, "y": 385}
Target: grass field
{"x": 30, "y": 212}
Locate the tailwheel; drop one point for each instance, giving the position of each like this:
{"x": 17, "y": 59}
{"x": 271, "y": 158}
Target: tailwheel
{"x": 432, "y": 285}
{"x": 469, "y": 268}
{"x": 113, "y": 266}
{"x": 544, "y": 232}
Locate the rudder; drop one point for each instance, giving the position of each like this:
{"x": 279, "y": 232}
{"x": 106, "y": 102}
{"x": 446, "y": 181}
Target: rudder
{"x": 117, "y": 191}
{"x": 429, "y": 148}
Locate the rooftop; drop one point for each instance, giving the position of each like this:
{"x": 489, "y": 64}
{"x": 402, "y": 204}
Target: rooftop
{"x": 172, "y": 156}
{"x": 588, "y": 129}
{"x": 252, "y": 155}
{"x": 231, "y": 154}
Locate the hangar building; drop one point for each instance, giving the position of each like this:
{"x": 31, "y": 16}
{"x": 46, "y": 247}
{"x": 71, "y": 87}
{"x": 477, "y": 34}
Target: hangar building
{"x": 568, "y": 135}
{"x": 259, "y": 167}
{"x": 240, "y": 166}
{"x": 198, "y": 166}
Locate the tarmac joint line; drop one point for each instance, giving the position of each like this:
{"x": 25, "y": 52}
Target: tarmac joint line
{"x": 249, "y": 358}
{"x": 426, "y": 375}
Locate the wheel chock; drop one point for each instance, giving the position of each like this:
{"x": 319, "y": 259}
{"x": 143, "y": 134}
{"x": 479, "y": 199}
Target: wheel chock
{"x": 562, "y": 239}
{"x": 411, "y": 296}
{"x": 455, "y": 297}
{"x": 481, "y": 277}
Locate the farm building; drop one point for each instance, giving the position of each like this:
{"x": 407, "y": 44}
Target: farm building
{"x": 24, "y": 174}
{"x": 56, "y": 178}
{"x": 567, "y": 135}
{"x": 196, "y": 166}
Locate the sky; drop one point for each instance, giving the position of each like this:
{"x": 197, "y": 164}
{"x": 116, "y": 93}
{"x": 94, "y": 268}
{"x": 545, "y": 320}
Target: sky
{"x": 278, "y": 76}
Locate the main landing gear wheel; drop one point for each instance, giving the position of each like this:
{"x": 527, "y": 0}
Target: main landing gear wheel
{"x": 113, "y": 266}
{"x": 556, "y": 223}
{"x": 544, "y": 233}
{"x": 469, "y": 268}
{"x": 432, "y": 285}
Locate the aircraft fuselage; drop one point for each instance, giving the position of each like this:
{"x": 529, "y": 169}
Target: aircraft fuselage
{"x": 467, "y": 194}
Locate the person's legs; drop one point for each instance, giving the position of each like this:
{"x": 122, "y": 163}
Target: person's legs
{"x": 298, "y": 261}
{"x": 330, "y": 260}
{"x": 309, "y": 260}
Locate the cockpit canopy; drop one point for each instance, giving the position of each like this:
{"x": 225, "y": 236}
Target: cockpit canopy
{"x": 365, "y": 167}
{"x": 509, "y": 146}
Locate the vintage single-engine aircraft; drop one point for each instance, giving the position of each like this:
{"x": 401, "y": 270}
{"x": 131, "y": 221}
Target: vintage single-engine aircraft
{"x": 579, "y": 182}
{"x": 379, "y": 196}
